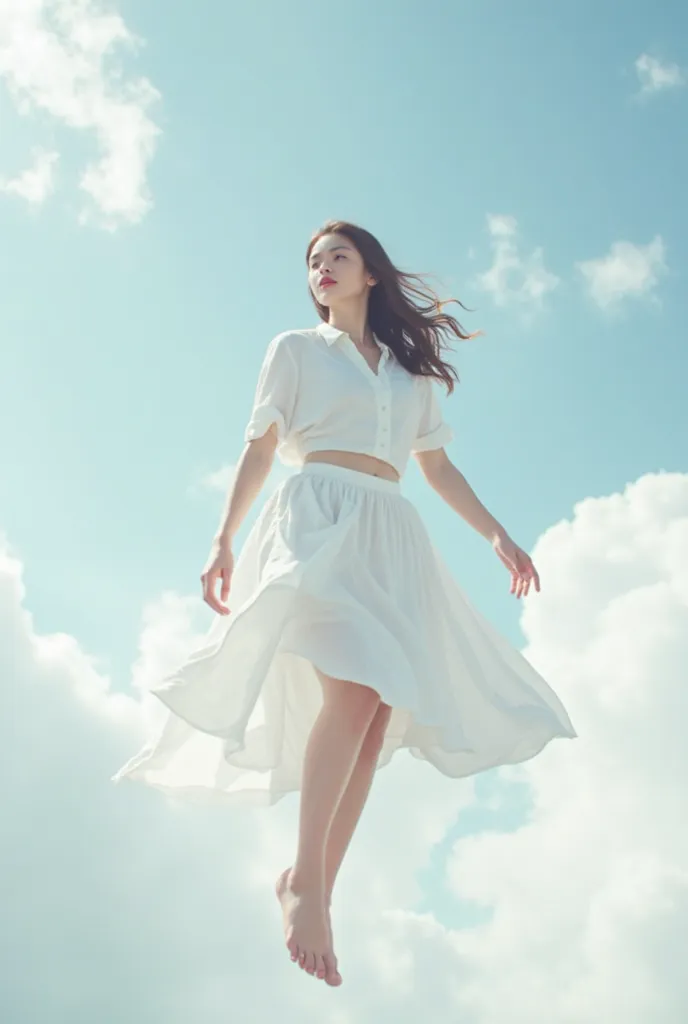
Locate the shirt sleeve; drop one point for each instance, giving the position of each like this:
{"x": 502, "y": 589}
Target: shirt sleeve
{"x": 433, "y": 432}
{"x": 275, "y": 395}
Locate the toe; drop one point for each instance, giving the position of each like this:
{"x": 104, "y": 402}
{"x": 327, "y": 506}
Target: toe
{"x": 320, "y": 967}
{"x": 309, "y": 965}
{"x": 332, "y": 975}
{"x": 293, "y": 950}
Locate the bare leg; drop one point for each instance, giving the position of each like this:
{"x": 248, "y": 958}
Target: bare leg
{"x": 332, "y": 752}
{"x": 351, "y": 804}
{"x": 354, "y": 799}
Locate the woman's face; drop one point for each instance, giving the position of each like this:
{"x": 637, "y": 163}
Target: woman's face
{"x": 334, "y": 259}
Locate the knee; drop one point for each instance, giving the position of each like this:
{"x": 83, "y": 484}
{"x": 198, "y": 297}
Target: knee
{"x": 355, "y": 706}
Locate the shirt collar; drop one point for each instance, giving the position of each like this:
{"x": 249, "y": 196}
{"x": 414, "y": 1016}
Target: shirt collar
{"x": 332, "y": 334}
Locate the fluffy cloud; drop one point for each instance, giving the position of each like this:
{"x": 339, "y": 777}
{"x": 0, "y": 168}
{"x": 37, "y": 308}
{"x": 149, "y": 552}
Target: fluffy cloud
{"x": 515, "y": 278}
{"x": 62, "y": 58}
{"x": 164, "y": 905}
{"x": 36, "y": 182}
{"x": 626, "y": 271}
{"x": 115, "y": 889}
{"x": 577, "y": 915}
{"x": 586, "y": 904}
{"x": 655, "y": 76}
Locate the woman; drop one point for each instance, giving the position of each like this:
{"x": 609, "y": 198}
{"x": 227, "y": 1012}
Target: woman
{"x": 348, "y": 637}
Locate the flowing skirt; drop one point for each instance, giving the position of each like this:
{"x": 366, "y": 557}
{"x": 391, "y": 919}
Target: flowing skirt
{"x": 339, "y": 572}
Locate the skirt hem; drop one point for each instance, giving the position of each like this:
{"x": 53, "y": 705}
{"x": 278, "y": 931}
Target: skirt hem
{"x": 257, "y": 797}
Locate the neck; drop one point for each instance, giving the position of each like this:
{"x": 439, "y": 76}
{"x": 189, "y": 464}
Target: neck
{"x": 353, "y": 320}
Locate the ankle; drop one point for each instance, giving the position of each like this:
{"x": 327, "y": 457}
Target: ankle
{"x": 302, "y": 880}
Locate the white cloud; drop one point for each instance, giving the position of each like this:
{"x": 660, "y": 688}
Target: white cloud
{"x": 119, "y": 876}
{"x": 62, "y": 58}
{"x": 115, "y": 888}
{"x": 36, "y": 182}
{"x": 215, "y": 481}
{"x": 219, "y": 480}
{"x": 627, "y": 271}
{"x": 514, "y": 277}
{"x": 655, "y": 76}
{"x": 584, "y": 905}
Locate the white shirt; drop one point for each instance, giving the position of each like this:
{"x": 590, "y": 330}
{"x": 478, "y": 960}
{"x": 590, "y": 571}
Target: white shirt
{"x": 319, "y": 390}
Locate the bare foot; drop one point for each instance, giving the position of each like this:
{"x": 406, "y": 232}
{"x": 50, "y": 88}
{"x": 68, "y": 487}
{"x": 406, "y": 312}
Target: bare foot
{"x": 307, "y": 930}
{"x": 281, "y": 882}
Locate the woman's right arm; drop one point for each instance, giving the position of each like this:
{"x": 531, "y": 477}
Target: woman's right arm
{"x": 274, "y": 402}
{"x": 252, "y": 469}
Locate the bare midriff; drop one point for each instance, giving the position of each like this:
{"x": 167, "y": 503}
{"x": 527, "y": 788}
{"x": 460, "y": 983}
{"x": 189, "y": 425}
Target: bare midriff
{"x": 355, "y": 460}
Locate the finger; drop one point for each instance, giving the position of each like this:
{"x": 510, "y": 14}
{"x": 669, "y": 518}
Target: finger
{"x": 221, "y": 609}
{"x": 209, "y": 594}
{"x": 226, "y": 578}
{"x": 532, "y": 575}
{"x": 524, "y": 572}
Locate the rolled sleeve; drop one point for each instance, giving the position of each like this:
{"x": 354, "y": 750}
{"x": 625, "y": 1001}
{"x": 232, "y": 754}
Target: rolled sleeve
{"x": 275, "y": 395}
{"x": 433, "y": 431}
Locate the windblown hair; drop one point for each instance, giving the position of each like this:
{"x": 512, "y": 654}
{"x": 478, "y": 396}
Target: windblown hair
{"x": 404, "y": 311}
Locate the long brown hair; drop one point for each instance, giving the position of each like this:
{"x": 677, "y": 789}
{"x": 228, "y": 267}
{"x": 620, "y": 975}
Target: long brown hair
{"x": 412, "y": 329}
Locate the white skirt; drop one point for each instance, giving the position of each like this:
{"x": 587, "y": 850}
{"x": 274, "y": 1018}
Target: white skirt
{"x": 338, "y": 572}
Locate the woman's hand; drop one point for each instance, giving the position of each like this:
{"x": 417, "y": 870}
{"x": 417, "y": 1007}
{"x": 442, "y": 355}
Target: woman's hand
{"x": 220, "y": 564}
{"x": 522, "y": 570}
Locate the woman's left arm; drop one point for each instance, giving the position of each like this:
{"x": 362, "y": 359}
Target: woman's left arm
{"x": 452, "y": 487}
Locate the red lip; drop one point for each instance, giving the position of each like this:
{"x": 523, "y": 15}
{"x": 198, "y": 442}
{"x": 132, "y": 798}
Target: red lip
{"x": 326, "y": 280}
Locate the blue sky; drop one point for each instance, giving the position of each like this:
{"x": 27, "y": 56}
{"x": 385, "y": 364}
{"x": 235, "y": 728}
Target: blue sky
{"x": 532, "y": 156}
{"x": 134, "y": 353}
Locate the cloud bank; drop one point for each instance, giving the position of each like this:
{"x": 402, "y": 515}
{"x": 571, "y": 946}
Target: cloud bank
{"x": 576, "y": 914}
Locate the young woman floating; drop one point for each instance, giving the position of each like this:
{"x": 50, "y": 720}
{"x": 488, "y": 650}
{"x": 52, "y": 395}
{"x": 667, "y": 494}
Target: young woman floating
{"x": 346, "y": 637}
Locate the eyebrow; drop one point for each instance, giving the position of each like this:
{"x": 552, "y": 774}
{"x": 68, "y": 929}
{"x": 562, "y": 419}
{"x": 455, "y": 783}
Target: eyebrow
{"x": 333, "y": 249}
